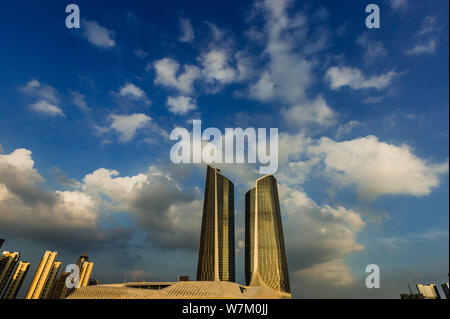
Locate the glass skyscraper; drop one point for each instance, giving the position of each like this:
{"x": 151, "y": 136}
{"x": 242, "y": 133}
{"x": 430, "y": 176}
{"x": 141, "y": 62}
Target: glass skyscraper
{"x": 265, "y": 253}
{"x": 216, "y": 253}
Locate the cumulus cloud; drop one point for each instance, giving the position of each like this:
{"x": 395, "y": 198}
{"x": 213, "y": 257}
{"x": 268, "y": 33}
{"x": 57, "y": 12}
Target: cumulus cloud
{"x": 42, "y": 91}
{"x": 187, "y": 31}
{"x": 331, "y": 273}
{"x": 98, "y": 35}
{"x": 181, "y": 104}
{"x": 377, "y": 168}
{"x": 345, "y": 129}
{"x": 216, "y": 67}
{"x": 355, "y": 79}
{"x": 166, "y": 74}
{"x": 310, "y": 112}
{"x": 130, "y": 95}
{"x": 127, "y": 125}
{"x": 69, "y": 218}
{"x": 170, "y": 216}
{"x": 318, "y": 236}
{"x": 46, "y": 108}
{"x": 47, "y": 98}
{"x": 263, "y": 89}
{"x": 282, "y": 35}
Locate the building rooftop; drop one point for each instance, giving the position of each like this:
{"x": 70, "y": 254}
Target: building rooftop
{"x": 177, "y": 290}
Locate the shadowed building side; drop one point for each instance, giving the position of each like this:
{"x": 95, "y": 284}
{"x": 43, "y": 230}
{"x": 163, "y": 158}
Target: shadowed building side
{"x": 8, "y": 262}
{"x": 216, "y": 259}
{"x": 249, "y": 234}
{"x": 266, "y": 261}
{"x": 16, "y": 280}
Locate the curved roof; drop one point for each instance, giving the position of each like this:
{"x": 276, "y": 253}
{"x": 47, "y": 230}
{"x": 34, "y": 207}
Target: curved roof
{"x": 177, "y": 290}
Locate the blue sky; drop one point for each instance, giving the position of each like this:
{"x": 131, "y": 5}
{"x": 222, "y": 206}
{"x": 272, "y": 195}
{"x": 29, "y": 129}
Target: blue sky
{"x": 362, "y": 116}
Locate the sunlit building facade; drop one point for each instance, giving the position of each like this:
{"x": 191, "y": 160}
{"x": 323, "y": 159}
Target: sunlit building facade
{"x": 44, "y": 276}
{"x": 216, "y": 253}
{"x": 16, "y": 280}
{"x": 265, "y": 253}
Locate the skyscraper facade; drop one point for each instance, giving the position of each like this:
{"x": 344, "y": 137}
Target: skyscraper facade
{"x": 59, "y": 289}
{"x": 44, "y": 273}
{"x": 16, "y": 281}
{"x": 216, "y": 253}
{"x": 50, "y": 280}
{"x": 265, "y": 253}
{"x": 8, "y": 262}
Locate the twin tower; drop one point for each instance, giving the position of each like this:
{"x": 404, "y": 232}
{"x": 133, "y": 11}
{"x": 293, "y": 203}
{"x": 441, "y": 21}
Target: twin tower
{"x": 265, "y": 254}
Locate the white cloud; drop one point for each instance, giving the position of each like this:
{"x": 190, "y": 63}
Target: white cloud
{"x": 98, "y": 35}
{"x": 427, "y": 42}
{"x": 187, "y": 30}
{"x": 181, "y": 104}
{"x": 428, "y": 47}
{"x": 353, "y": 77}
{"x": 131, "y": 90}
{"x": 398, "y": 4}
{"x": 428, "y": 25}
{"x": 166, "y": 74}
{"x": 318, "y": 236}
{"x": 346, "y": 128}
{"x": 309, "y": 112}
{"x": 127, "y": 125}
{"x": 170, "y": 216}
{"x": 140, "y": 53}
{"x": 377, "y": 168}
{"x": 331, "y": 273}
{"x": 46, "y": 108}
{"x": 263, "y": 89}
{"x": 216, "y": 68}
{"x": 80, "y": 101}
{"x": 287, "y": 70}
{"x": 47, "y": 98}
{"x": 42, "y": 91}
{"x": 62, "y": 217}
{"x": 106, "y": 182}
{"x": 372, "y": 49}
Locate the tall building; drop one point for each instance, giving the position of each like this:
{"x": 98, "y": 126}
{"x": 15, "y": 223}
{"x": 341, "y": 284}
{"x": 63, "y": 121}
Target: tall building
{"x": 265, "y": 253}
{"x": 16, "y": 281}
{"x": 216, "y": 253}
{"x": 51, "y": 280}
{"x": 428, "y": 291}
{"x": 59, "y": 289}
{"x": 8, "y": 262}
{"x": 44, "y": 276}
{"x": 445, "y": 289}
{"x": 85, "y": 273}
